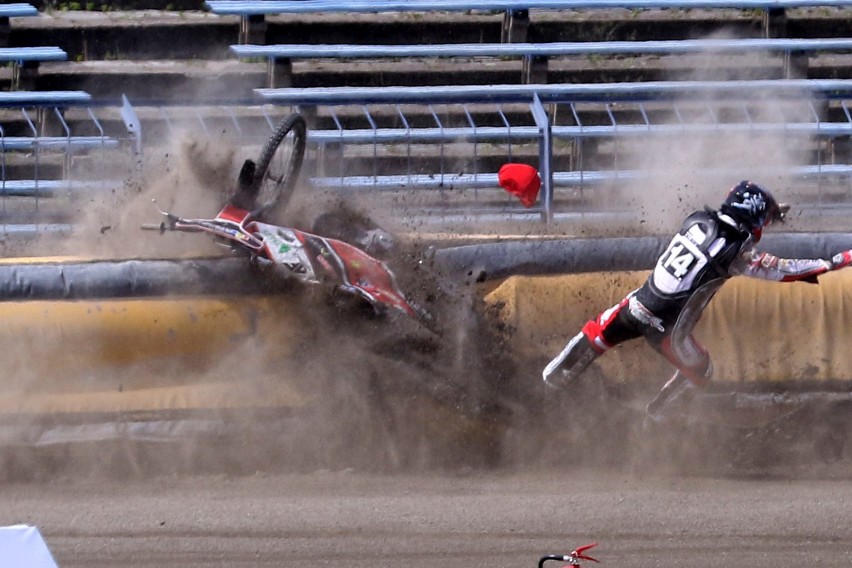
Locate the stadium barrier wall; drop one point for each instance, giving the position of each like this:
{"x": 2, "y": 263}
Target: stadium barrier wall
{"x": 79, "y": 343}
{"x": 132, "y": 355}
{"x": 755, "y": 330}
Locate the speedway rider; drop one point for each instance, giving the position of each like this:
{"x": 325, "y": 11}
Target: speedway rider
{"x": 711, "y": 247}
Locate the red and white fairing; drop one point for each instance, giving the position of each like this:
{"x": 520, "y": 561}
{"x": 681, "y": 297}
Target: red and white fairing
{"x": 312, "y": 259}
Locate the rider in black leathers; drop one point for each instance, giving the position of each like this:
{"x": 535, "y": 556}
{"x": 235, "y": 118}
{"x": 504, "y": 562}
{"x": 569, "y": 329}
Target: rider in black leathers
{"x": 711, "y": 247}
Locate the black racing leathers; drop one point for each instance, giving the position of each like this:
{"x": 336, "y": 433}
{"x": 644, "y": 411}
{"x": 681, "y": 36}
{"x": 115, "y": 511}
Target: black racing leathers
{"x": 709, "y": 248}
{"x": 693, "y": 266}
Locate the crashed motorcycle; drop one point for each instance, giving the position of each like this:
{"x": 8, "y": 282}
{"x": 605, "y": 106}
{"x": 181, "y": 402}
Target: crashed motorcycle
{"x": 291, "y": 254}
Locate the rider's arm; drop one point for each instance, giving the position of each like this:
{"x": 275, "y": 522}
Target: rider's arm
{"x": 770, "y": 267}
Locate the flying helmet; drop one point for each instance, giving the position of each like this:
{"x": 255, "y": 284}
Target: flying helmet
{"x": 753, "y": 206}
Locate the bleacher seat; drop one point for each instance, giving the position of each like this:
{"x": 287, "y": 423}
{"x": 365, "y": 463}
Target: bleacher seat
{"x": 27, "y": 60}
{"x": 280, "y": 70}
{"x": 13, "y": 10}
{"x": 43, "y": 98}
{"x": 516, "y": 17}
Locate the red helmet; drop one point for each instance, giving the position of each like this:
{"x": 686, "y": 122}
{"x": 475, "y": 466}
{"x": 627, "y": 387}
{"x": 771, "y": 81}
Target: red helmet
{"x": 521, "y": 180}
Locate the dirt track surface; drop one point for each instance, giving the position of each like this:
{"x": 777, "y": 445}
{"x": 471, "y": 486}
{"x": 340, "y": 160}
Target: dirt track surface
{"x": 494, "y": 520}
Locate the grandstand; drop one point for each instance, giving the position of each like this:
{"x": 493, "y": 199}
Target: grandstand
{"x": 199, "y": 77}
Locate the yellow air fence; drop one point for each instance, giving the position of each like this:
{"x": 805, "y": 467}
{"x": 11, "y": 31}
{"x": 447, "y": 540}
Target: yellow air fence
{"x": 147, "y": 354}
{"x": 755, "y": 330}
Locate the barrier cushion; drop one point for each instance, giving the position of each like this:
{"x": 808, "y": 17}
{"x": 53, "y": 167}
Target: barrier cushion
{"x": 755, "y": 330}
{"x": 147, "y": 355}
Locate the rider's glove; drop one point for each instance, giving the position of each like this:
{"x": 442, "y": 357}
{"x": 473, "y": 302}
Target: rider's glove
{"x": 841, "y": 260}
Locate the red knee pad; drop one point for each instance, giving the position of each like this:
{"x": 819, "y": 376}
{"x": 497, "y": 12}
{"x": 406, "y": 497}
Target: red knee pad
{"x": 594, "y": 333}
{"x": 594, "y": 329}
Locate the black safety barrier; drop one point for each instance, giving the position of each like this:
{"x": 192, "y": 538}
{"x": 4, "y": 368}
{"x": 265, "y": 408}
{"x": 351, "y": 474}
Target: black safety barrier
{"x": 493, "y": 261}
{"x": 132, "y": 279}
{"x": 478, "y": 262}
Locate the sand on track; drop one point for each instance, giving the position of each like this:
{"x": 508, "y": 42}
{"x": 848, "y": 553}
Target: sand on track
{"x": 497, "y": 519}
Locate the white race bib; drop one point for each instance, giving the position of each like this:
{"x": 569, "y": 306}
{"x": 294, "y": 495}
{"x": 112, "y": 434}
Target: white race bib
{"x": 679, "y": 265}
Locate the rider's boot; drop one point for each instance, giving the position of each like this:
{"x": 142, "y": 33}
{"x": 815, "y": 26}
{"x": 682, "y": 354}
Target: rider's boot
{"x": 672, "y": 399}
{"x": 566, "y": 367}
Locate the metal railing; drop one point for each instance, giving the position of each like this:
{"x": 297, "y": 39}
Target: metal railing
{"x": 447, "y": 143}
{"x": 269, "y": 7}
{"x": 794, "y": 53}
{"x": 53, "y": 144}
{"x": 562, "y": 129}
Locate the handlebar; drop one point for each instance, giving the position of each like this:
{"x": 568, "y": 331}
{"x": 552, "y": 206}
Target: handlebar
{"x": 170, "y": 224}
{"x": 167, "y": 225}
{"x": 572, "y": 559}
{"x": 224, "y": 228}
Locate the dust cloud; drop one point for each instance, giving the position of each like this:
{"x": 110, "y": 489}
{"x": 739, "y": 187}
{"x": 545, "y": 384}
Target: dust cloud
{"x": 695, "y": 168}
{"x": 376, "y": 394}
{"x": 191, "y": 177}
{"x": 309, "y": 380}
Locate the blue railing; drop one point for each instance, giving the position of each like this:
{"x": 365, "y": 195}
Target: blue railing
{"x": 609, "y": 92}
{"x": 268, "y": 7}
{"x": 38, "y": 147}
{"x": 663, "y": 47}
{"x": 541, "y": 130}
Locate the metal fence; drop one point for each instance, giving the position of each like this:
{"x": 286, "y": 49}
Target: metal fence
{"x": 581, "y": 137}
{"x": 447, "y": 144}
{"x": 52, "y": 150}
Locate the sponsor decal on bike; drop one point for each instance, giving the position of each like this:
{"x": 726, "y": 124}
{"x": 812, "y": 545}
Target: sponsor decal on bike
{"x": 284, "y": 249}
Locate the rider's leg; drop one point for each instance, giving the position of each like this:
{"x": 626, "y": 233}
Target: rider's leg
{"x": 609, "y": 329}
{"x": 694, "y": 369}
{"x": 690, "y": 357}
{"x": 677, "y": 389}
{"x": 564, "y": 369}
